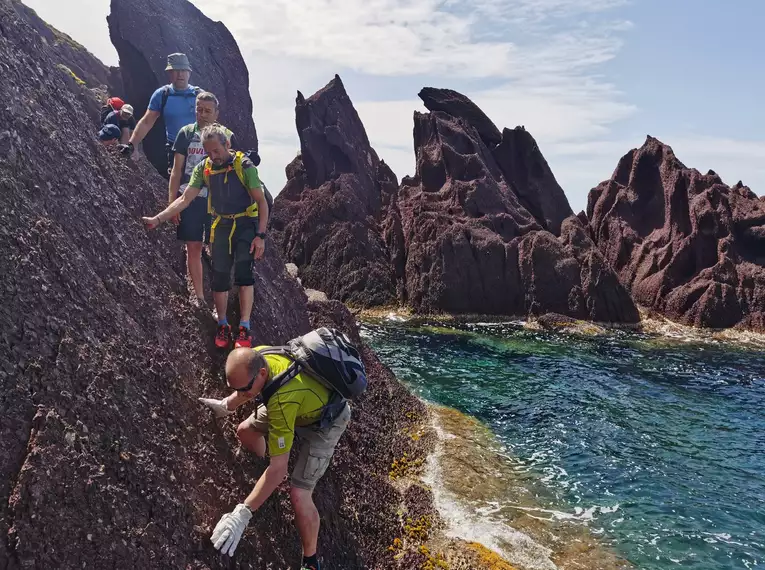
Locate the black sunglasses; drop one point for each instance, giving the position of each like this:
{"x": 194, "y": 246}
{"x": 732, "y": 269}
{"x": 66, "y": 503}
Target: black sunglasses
{"x": 246, "y": 388}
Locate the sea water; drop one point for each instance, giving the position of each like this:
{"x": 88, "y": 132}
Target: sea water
{"x": 654, "y": 444}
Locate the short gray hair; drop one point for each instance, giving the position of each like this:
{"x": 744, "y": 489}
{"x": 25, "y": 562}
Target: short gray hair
{"x": 207, "y": 96}
{"x": 214, "y": 131}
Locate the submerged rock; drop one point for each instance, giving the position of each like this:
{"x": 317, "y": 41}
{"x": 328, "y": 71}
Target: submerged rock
{"x": 686, "y": 244}
{"x": 144, "y": 32}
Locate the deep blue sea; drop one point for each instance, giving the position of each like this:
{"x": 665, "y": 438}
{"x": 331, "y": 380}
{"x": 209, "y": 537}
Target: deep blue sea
{"x": 669, "y": 433}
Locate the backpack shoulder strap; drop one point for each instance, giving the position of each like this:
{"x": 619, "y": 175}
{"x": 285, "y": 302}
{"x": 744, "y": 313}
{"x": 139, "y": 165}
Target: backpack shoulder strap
{"x": 165, "y": 95}
{"x": 239, "y": 168}
{"x": 206, "y": 170}
{"x": 280, "y": 379}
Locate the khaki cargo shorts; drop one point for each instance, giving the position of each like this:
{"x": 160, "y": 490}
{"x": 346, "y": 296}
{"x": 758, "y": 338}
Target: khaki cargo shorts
{"x": 316, "y": 446}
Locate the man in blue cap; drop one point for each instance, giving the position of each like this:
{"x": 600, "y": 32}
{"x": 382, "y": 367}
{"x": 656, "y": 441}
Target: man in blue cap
{"x": 109, "y": 134}
{"x": 175, "y": 102}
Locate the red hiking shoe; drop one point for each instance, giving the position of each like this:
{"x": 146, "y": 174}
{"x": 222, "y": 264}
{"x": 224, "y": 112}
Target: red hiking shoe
{"x": 223, "y": 336}
{"x": 244, "y": 339}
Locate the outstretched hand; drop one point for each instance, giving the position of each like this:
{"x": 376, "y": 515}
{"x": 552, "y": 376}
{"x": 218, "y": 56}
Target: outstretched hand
{"x": 258, "y": 247}
{"x": 230, "y": 528}
{"x": 125, "y": 149}
{"x": 219, "y": 407}
{"x": 150, "y": 223}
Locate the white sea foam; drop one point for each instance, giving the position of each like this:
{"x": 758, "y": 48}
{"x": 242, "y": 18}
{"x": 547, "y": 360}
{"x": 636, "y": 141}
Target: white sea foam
{"x": 477, "y": 525}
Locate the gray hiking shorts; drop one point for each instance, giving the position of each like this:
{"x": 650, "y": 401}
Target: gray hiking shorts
{"x": 316, "y": 446}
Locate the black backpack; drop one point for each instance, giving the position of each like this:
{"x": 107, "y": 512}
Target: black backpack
{"x": 327, "y": 355}
{"x": 166, "y": 94}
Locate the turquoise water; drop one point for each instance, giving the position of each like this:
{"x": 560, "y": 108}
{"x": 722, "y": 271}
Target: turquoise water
{"x": 667, "y": 435}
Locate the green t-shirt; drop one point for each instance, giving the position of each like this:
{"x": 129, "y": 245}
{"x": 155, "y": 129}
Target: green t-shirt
{"x": 297, "y": 403}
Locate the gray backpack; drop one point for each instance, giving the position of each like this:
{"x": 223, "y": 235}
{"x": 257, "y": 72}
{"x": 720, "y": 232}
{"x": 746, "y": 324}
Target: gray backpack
{"x": 327, "y": 355}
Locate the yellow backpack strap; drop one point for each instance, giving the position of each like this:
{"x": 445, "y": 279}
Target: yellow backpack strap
{"x": 239, "y": 169}
{"x": 206, "y": 175}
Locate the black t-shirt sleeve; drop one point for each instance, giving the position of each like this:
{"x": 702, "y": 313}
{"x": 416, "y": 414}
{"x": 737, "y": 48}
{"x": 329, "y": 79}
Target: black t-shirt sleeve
{"x": 181, "y": 145}
{"x": 234, "y": 142}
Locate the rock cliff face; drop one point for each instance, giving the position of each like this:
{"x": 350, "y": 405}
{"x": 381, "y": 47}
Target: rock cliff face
{"x": 469, "y": 241}
{"x": 482, "y": 227}
{"x": 71, "y": 54}
{"x": 686, "y": 244}
{"x": 327, "y": 217}
{"x": 144, "y": 32}
{"x": 106, "y": 458}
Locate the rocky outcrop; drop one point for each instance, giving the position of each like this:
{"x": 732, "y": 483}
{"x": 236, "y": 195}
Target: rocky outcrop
{"x": 524, "y": 168}
{"x": 482, "y": 227}
{"x": 71, "y": 55}
{"x": 686, "y": 244}
{"x": 466, "y": 241}
{"x": 107, "y": 459}
{"x": 144, "y": 32}
{"x": 327, "y": 216}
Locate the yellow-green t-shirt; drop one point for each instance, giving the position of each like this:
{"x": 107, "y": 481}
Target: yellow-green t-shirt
{"x": 297, "y": 403}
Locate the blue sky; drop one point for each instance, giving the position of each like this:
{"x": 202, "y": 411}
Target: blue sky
{"x": 588, "y": 78}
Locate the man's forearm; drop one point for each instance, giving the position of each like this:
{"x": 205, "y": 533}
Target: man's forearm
{"x": 141, "y": 130}
{"x": 267, "y": 484}
{"x": 262, "y": 212}
{"x": 178, "y": 205}
{"x": 174, "y": 186}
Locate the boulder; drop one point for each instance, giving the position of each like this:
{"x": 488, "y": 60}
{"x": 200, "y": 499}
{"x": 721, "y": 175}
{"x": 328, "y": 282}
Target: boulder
{"x": 144, "y": 32}
{"x": 685, "y": 243}
{"x": 326, "y": 218}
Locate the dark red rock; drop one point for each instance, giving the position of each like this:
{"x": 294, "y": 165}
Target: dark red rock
{"x": 144, "y": 32}
{"x": 107, "y": 460}
{"x": 686, "y": 244}
{"x": 460, "y": 107}
{"x": 326, "y": 218}
{"x": 531, "y": 179}
{"x": 469, "y": 245}
{"x": 71, "y": 54}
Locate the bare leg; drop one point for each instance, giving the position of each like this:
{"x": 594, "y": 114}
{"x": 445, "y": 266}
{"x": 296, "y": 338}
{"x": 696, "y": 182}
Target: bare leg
{"x": 221, "y": 303}
{"x": 252, "y": 440}
{"x": 246, "y": 299}
{"x": 194, "y": 264}
{"x": 306, "y": 519}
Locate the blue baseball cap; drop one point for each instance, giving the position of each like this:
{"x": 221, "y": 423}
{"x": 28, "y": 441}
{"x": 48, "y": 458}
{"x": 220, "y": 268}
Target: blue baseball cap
{"x": 109, "y": 132}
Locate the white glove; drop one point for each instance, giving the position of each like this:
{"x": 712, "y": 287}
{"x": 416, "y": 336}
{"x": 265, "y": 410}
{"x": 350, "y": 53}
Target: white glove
{"x": 229, "y": 529}
{"x": 217, "y": 406}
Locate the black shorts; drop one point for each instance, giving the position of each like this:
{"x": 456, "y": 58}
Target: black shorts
{"x": 233, "y": 249}
{"x": 195, "y": 222}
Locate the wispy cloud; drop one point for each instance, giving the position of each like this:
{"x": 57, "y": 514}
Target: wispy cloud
{"x": 530, "y": 62}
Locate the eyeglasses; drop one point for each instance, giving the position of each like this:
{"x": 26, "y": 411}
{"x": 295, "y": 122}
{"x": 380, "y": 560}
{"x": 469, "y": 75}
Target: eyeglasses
{"x": 246, "y": 388}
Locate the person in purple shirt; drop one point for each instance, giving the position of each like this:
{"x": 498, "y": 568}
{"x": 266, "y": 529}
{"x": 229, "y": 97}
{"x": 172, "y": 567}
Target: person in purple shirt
{"x": 176, "y": 102}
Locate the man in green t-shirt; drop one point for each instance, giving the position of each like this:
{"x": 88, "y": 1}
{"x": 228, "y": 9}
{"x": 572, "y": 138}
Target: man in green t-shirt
{"x": 294, "y": 408}
{"x": 238, "y": 232}
{"x": 194, "y": 222}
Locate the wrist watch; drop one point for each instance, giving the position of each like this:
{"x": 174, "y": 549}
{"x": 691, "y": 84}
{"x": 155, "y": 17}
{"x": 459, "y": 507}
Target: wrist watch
{"x": 261, "y": 235}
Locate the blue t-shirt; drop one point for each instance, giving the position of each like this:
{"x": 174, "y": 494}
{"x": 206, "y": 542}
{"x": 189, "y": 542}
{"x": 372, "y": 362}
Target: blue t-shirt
{"x": 180, "y": 110}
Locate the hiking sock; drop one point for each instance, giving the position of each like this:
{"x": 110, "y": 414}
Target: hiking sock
{"x": 311, "y": 562}
{"x": 223, "y": 321}
{"x": 245, "y": 324}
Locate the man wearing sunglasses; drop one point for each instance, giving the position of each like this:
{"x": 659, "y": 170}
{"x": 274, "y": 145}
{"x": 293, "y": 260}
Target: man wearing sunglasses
{"x": 295, "y": 408}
